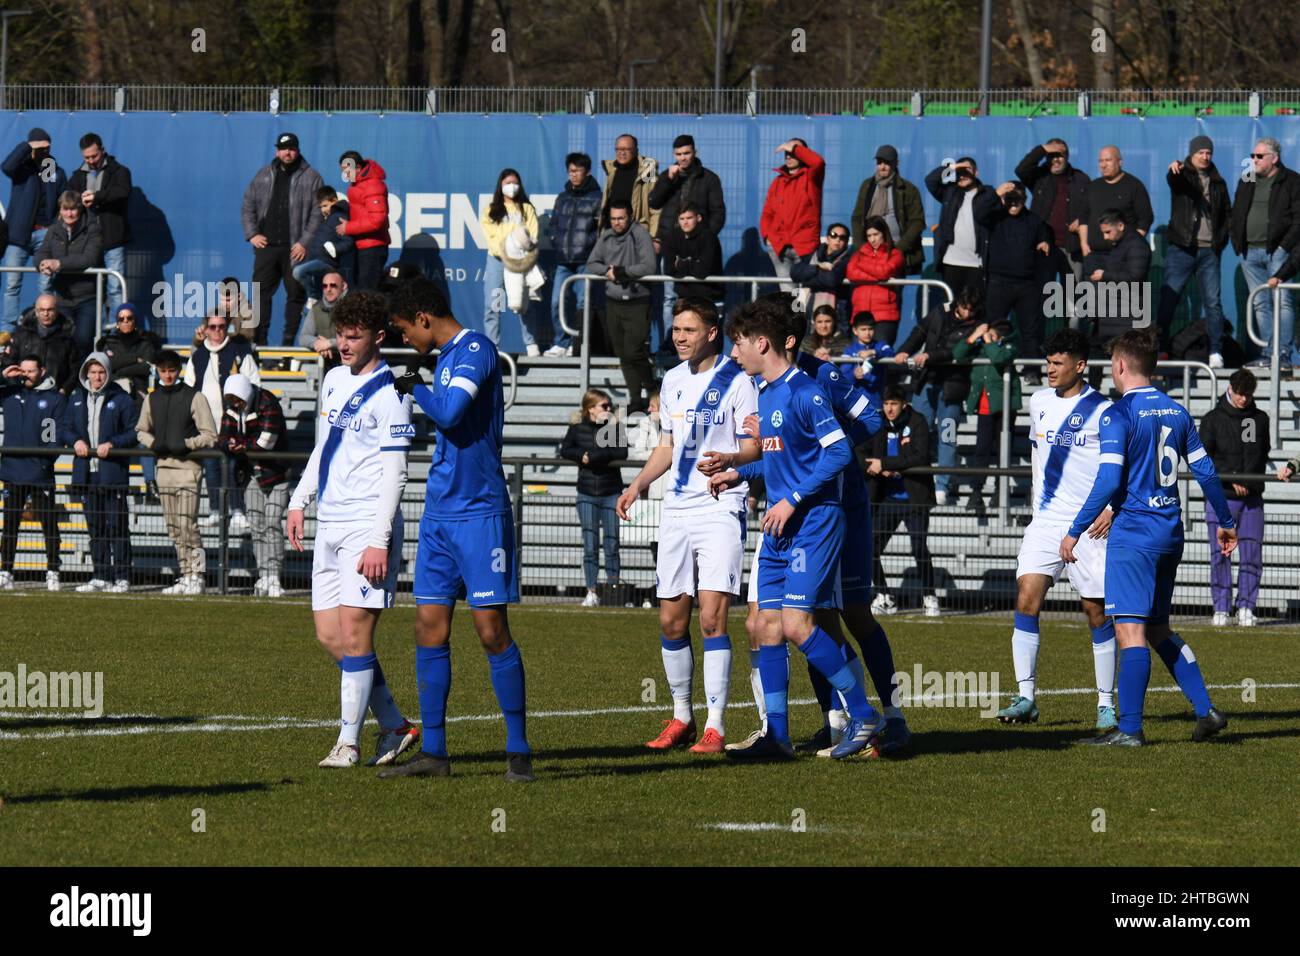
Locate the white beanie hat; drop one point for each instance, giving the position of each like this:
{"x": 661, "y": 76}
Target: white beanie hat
{"x": 240, "y": 387}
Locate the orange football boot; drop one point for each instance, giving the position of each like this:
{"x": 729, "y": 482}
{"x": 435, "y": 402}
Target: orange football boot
{"x": 711, "y": 743}
{"x": 674, "y": 734}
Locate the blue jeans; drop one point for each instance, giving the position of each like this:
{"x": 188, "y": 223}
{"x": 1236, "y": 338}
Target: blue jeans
{"x": 20, "y": 255}
{"x": 85, "y": 328}
{"x": 576, "y": 295}
{"x": 309, "y": 273}
{"x": 661, "y": 336}
{"x": 114, "y": 294}
{"x": 1180, "y": 264}
{"x": 944, "y": 417}
{"x": 596, "y": 515}
{"x": 1258, "y": 266}
{"x": 494, "y": 302}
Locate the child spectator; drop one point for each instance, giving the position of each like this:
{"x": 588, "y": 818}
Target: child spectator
{"x": 996, "y": 341}
{"x": 864, "y": 347}
{"x": 327, "y": 251}
{"x": 593, "y": 441}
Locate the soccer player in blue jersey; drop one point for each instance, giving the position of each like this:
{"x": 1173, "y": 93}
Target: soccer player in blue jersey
{"x": 1143, "y": 437}
{"x": 467, "y": 537}
{"x": 804, "y": 453}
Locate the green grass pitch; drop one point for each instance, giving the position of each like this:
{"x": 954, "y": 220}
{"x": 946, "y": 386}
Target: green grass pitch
{"x": 224, "y": 707}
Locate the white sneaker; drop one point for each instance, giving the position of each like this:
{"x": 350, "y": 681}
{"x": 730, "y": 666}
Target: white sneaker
{"x": 941, "y": 497}
{"x": 591, "y": 600}
{"x": 177, "y": 588}
{"x": 1220, "y": 619}
{"x": 883, "y": 604}
{"x": 931, "y": 605}
{"x": 193, "y": 585}
{"x": 6, "y": 581}
{"x": 210, "y": 520}
{"x": 1216, "y": 360}
{"x": 94, "y": 584}
{"x": 239, "y": 523}
{"x": 51, "y": 580}
{"x": 120, "y": 586}
{"x": 534, "y": 351}
{"x": 259, "y": 589}
{"x": 559, "y": 351}
{"x": 274, "y": 589}
{"x": 343, "y": 755}
{"x": 1245, "y": 617}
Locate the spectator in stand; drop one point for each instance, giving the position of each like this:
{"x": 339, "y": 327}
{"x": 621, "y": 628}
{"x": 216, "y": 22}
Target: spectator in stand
{"x": 175, "y": 420}
{"x": 318, "y": 332}
{"x": 1198, "y": 231}
{"x": 277, "y": 215}
{"x": 824, "y": 341}
{"x": 511, "y": 270}
{"x": 876, "y": 262}
{"x": 960, "y": 238}
{"x": 1128, "y": 259}
{"x": 104, "y": 186}
{"x": 237, "y": 310}
{"x": 47, "y": 333}
{"x": 220, "y": 356}
{"x": 685, "y": 182}
{"x": 1265, "y": 230}
{"x": 573, "y": 228}
{"x": 903, "y": 443}
{"x": 791, "y": 223}
{"x": 32, "y": 409}
{"x": 692, "y": 251}
{"x": 1060, "y": 198}
{"x": 592, "y": 442}
{"x": 132, "y": 353}
{"x": 938, "y": 385}
{"x": 1114, "y": 189}
{"x": 898, "y": 202}
{"x": 100, "y": 417}
{"x": 822, "y": 276}
{"x": 70, "y": 246}
{"x": 1019, "y": 259}
{"x": 367, "y": 222}
{"x": 1235, "y": 435}
{"x": 995, "y": 340}
{"x": 623, "y": 254}
{"x": 869, "y": 373}
{"x": 254, "y": 421}
{"x": 33, "y": 207}
{"x": 629, "y": 180}
{"x": 327, "y": 251}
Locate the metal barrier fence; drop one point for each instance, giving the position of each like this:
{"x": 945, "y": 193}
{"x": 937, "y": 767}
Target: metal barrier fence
{"x": 1275, "y": 400}
{"x": 965, "y": 555}
{"x": 102, "y": 322}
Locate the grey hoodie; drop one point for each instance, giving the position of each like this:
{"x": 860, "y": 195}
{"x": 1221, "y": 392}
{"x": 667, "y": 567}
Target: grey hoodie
{"x": 634, "y": 251}
{"x": 94, "y": 399}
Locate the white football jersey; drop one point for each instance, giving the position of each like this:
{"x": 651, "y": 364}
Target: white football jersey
{"x": 705, "y": 411}
{"x": 360, "y": 417}
{"x": 1066, "y": 450}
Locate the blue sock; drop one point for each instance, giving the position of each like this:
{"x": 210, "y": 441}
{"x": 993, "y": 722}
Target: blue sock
{"x": 774, "y": 669}
{"x": 508, "y": 682}
{"x": 824, "y": 654}
{"x": 855, "y": 665}
{"x": 1134, "y": 675}
{"x": 433, "y": 673}
{"x": 879, "y": 658}
{"x": 822, "y": 689}
{"x": 1180, "y": 660}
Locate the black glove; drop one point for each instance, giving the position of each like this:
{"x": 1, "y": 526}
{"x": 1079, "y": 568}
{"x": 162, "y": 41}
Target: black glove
{"x": 405, "y": 383}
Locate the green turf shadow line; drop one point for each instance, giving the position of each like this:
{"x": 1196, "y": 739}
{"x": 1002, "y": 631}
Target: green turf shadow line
{"x": 127, "y": 794}
{"x": 45, "y": 723}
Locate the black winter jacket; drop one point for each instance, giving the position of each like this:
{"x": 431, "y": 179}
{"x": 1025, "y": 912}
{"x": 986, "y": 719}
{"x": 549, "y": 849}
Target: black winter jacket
{"x": 110, "y": 202}
{"x": 1188, "y": 207}
{"x": 699, "y": 185}
{"x": 1224, "y": 433}
{"x": 596, "y": 477}
{"x": 132, "y": 356}
{"x": 57, "y": 351}
{"x": 1128, "y": 261}
{"x": 1283, "y": 212}
{"x": 1011, "y": 251}
{"x": 575, "y": 222}
{"x": 952, "y": 196}
{"x": 697, "y": 255}
{"x": 1042, "y": 185}
{"x": 936, "y": 335}
{"x": 913, "y": 434}
{"x": 82, "y": 249}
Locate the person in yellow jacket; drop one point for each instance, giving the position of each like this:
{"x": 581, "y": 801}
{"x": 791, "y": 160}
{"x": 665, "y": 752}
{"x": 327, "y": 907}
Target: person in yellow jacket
{"x": 629, "y": 178}
{"x": 511, "y": 270}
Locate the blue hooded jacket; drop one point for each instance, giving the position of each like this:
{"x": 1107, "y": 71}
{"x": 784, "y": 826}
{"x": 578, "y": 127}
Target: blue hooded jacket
{"x": 117, "y": 421}
{"x": 27, "y": 412}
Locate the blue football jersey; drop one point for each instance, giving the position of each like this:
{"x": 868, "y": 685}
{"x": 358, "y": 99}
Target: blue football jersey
{"x": 467, "y": 405}
{"x": 857, "y": 415}
{"x": 796, "y": 423}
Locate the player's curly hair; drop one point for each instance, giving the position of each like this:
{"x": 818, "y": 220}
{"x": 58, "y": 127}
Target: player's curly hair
{"x": 1138, "y": 346}
{"x": 362, "y": 310}
{"x": 416, "y": 295}
{"x": 1070, "y": 342}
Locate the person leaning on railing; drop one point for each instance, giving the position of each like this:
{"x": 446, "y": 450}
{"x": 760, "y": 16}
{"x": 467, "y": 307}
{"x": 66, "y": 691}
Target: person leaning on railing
{"x": 73, "y": 244}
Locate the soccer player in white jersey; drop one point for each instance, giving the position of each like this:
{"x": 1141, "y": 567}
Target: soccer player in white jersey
{"x": 357, "y": 473}
{"x": 1066, "y": 453}
{"x": 703, "y": 403}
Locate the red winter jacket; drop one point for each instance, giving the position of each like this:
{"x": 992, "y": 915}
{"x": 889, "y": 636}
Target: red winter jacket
{"x": 792, "y": 214}
{"x": 870, "y": 264}
{"x": 368, "y": 202}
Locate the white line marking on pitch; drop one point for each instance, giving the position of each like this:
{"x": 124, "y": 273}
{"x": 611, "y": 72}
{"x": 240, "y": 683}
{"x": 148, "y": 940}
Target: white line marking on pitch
{"x": 236, "y": 723}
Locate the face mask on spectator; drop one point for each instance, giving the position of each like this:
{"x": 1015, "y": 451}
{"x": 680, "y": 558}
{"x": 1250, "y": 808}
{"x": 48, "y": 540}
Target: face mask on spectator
{"x": 511, "y": 190}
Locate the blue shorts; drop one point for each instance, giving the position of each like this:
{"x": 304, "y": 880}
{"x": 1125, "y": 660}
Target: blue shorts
{"x": 474, "y": 557}
{"x": 1140, "y": 583}
{"x": 855, "y": 561}
{"x": 801, "y": 569}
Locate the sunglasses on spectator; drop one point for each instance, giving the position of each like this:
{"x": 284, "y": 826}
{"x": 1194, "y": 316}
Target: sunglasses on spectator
{"x": 1259, "y": 155}
{"x": 331, "y": 285}
{"x": 216, "y": 325}
{"x": 126, "y": 317}
{"x": 839, "y": 235}
{"x": 604, "y": 405}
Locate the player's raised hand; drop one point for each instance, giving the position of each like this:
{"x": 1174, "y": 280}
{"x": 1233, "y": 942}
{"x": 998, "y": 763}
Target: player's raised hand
{"x": 723, "y": 480}
{"x": 1067, "y": 549}
{"x": 406, "y": 382}
{"x": 1227, "y": 540}
{"x": 752, "y": 427}
{"x": 1101, "y": 527}
{"x": 373, "y": 565}
{"x": 293, "y": 523}
{"x": 776, "y": 517}
{"x": 713, "y": 462}
{"x": 626, "y": 500}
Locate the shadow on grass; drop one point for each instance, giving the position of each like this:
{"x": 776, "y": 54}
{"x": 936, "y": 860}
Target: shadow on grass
{"x": 80, "y": 723}
{"x": 994, "y": 741}
{"x": 126, "y": 794}
{"x": 1232, "y": 715}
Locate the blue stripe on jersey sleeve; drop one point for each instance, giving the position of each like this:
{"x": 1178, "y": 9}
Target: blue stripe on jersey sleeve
{"x": 335, "y": 436}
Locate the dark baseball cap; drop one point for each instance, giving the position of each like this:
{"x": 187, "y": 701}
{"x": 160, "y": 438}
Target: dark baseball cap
{"x": 286, "y": 141}
{"x": 887, "y": 154}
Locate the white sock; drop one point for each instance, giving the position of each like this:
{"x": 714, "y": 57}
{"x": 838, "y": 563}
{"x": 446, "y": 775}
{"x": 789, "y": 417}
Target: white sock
{"x": 717, "y": 678}
{"x": 837, "y": 719}
{"x": 354, "y": 692}
{"x": 756, "y": 686}
{"x": 1024, "y": 651}
{"x": 679, "y": 667}
{"x": 1103, "y": 665}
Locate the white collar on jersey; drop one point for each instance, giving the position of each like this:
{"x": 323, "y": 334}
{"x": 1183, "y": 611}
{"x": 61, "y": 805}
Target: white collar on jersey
{"x": 1141, "y": 388}
{"x": 794, "y": 370}
{"x": 459, "y": 335}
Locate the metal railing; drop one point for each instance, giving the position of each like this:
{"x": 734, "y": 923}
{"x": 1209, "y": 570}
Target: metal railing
{"x": 1275, "y": 400}
{"x": 102, "y": 323}
{"x": 584, "y": 335}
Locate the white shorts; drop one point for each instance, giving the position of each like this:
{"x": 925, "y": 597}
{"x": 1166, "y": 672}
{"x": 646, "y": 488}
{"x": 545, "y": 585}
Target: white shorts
{"x": 700, "y": 551}
{"x": 1040, "y": 553}
{"x": 334, "y": 577}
